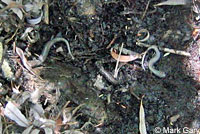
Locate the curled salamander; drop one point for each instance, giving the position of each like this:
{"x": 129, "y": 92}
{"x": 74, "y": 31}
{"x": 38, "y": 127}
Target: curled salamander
{"x": 49, "y": 44}
{"x": 153, "y": 60}
{"x": 47, "y": 48}
{"x": 71, "y": 81}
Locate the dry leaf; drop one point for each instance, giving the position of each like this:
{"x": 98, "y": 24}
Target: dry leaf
{"x": 34, "y": 7}
{"x": 20, "y": 53}
{"x": 124, "y": 58}
{"x": 173, "y": 3}
{"x": 73, "y": 132}
{"x": 142, "y": 126}
{"x": 38, "y": 108}
{"x": 6, "y": 1}
{"x": 35, "y": 95}
{"x": 48, "y": 130}
{"x": 44, "y": 123}
{"x": 25, "y": 34}
{"x": 12, "y": 112}
{"x": 35, "y": 20}
{"x": 13, "y": 6}
{"x": 27, "y": 130}
{"x": 18, "y": 12}
{"x": 58, "y": 125}
{"x": 24, "y": 96}
{"x": 174, "y": 118}
{"x": 7, "y": 71}
{"x": 35, "y": 131}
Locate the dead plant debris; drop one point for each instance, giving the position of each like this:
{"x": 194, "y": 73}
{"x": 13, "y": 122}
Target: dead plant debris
{"x": 83, "y": 66}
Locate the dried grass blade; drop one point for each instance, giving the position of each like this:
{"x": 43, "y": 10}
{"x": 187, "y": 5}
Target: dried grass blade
{"x": 142, "y": 126}
{"x": 12, "y": 112}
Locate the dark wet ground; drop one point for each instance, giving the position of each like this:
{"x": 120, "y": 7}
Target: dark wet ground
{"x": 165, "y": 97}
{"x": 176, "y": 94}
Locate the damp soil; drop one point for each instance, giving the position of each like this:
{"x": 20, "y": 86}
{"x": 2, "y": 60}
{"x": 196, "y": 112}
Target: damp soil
{"x": 91, "y": 31}
{"x": 89, "y": 35}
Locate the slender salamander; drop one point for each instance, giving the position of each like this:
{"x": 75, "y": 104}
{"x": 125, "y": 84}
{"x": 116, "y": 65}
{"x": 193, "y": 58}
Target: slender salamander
{"x": 49, "y": 44}
{"x": 153, "y": 60}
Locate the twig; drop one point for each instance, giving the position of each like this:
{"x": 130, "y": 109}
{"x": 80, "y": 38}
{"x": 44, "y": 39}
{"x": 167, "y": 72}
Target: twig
{"x": 168, "y": 50}
{"x": 8, "y": 40}
{"x": 46, "y": 12}
{"x": 116, "y": 72}
{"x": 66, "y": 104}
{"x": 136, "y": 12}
{"x": 147, "y": 6}
{"x": 108, "y": 75}
{"x": 112, "y": 41}
{"x": 132, "y": 92}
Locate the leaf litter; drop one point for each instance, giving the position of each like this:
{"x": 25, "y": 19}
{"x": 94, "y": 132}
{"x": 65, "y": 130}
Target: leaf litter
{"x": 67, "y": 106}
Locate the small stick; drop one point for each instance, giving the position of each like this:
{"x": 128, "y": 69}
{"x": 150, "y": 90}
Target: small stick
{"x": 46, "y": 12}
{"x": 66, "y": 104}
{"x": 147, "y": 6}
{"x": 117, "y": 64}
{"x": 112, "y": 41}
{"x": 8, "y": 40}
{"x": 108, "y": 76}
{"x": 168, "y": 50}
{"x": 132, "y": 92}
{"x": 136, "y": 12}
